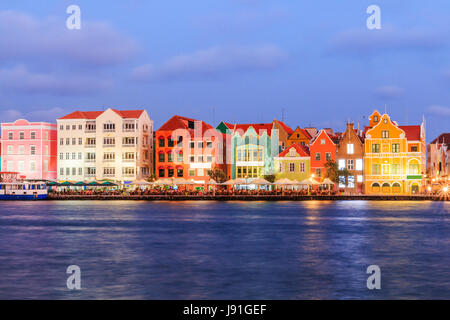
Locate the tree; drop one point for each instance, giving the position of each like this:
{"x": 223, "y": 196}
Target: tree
{"x": 270, "y": 178}
{"x": 218, "y": 175}
{"x": 333, "y": 172}
{"x": 151, "y": 178}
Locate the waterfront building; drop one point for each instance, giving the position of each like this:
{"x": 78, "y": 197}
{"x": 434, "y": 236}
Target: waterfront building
{"x": 299, "y": 136}
{"x": 252, "y": 147}
{"x": 394, "y": 157}
{"x": 438, "y": 158}
{"x": 112, "y": 144}
{"x": 29, "y": 148}
{"x": 293, "y": 163}
{"x": 188, "y": 148}
{"x": 350, "y": 156}
{"x": 322, "y": 149}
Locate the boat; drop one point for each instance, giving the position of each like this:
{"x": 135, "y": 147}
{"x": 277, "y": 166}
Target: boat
{"x": 13, "y": 187}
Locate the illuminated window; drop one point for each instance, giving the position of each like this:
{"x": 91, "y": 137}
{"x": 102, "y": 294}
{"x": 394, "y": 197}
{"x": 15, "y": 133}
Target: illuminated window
{"x": 291, "y": 167}
{"x": 341, "y": 164}
{"x": 359, "y": 164}
{"x": 375, "y": 148}
{"x": 385, "y": 134}
{"x": 413, "y": 148}
{"x": 351, "y": 181}
{"x": 302, "y": 167}
{"x": 328, "y": 156}
{"x": 396, "y": 147}
{"x": 376, "y": 169}
{"x": 396, "y": 169}
{"x": 318, "y": 172}
{"x": 350, "y": 164}
{"x": 350, "y": 148}
{"x": 317, "y": 156}
{"x": 359, "y": 178}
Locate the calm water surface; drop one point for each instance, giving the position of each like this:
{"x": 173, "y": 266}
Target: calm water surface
{"x": 224, "y": 250}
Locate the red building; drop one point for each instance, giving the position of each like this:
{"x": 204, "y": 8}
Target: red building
{"x": 322, "y": 149}
{"x": 188, "y": 148}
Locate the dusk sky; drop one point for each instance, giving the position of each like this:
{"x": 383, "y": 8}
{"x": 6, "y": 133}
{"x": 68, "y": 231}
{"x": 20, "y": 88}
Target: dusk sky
{"x": 247, "y": 59}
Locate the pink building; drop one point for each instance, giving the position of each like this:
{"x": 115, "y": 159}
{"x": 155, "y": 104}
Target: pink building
{"x": 29, "y": 148}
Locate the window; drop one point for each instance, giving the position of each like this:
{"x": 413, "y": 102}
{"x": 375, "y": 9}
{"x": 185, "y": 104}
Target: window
{"x": 281, "y": 167}
{"x": 208, "y": 158}
{"x": 90, "y": 142}
{"x": 80, "y": 171}
{"x": 74, "y": 155}
{"x": 80, "y": 127}
{"x": 200, "y": 158}
{"x": 376, "y": 169}
{"x": 67, "y": 171}
{"x": 396, "y": 147}
{"x": 385, "y": 134}
{"x": 46, "y": 150}
{"x": 161, "y": 157}
{"x": 109, "y": 171}
{"x": 413, "y": 168}
{"x": 67, "y": 141}
{"x": 61, "y": 156}
{"x": 302, "y": 167}
{"x": 109, "y": 141}
{"x": 292, "y": 152}
{"x": 322, "y": 141}
{"x": 80, "y": 141}
{"x": 128, "y": 141}
{"x": 10, "y": 136}
{"x": 291, "y": 167}
{"x": 10, "y": 150}
{"x": 61, "y": 171}
{"x": 21, "y": 150}
{"x": 396, "y": 169}
{"x": 61, "y": 141}
{"x": 317, "y": 156}
{"x": 200, "y": 172}
{"x": 375, "y": 148}
{"x": 61, "y": 127}
{"x": 74, "y": 171}
{"x": 413, "y": 148}
{"x": 74, "y": 141}
{"x": 350, "y": 164}
{"x": 109, "y": 156}
{"x": 350, "y": 148}
{"x": 192, "y": 159}
{"x": 128, "y": 171}
{"x": 9, "y": 166}
{"x": 129, "y": 156}
{"x": 179, "y": 173}
{"x": 328, "y": 156}
{"x": 209, "y": 144}
{"x": 375, "y": 119}
{"x": 179, "y": 157}
{"x": 90, "y": 156}
{"x": 161, "y": 173}
{"x": 21, "y": 166}
{"x": 33, "y": 150}
{"x": 170, "y": 157}
{"x": 170, "y": 142}
{"x": 318, "y": 172}
{"x": 192, "y": 144}
{"x": 341, "y": 180}
{"x": 33, "y": 135}
{"x": 200, "y": 144}
{"x": 67, "y": 156}
{"x": 359, "y": 164}
{"x": 170, "y": 172}
{"x": 33, "y": 166}
{"x": 191, "y": 172}
{"x": 351, "y": 181}
{"x": 359, "y": 178}
{"x": 21, "y": 135}
{"x": 46, "y": 135}
{"x": 109, "y": 127}
{"x": 191, "y": 125}
{"x": 161, "y": 142}
{"x": 67, "y": 127}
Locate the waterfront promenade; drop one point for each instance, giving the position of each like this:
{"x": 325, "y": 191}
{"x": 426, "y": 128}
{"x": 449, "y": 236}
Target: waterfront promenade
{"x": 248, "y": 197}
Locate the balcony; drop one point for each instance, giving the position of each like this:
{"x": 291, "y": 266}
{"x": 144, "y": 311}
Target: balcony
{"x": 129, "y": 145}
{"x": 90, "y": 130}
{"x": 90, "y": 145}
{"x": 109, "y": 160}
{"x": 128, "y": 160}
{"x": 90, "y": 160}
{"x": 129, "y": 130}
{"x": 109, "y": 146}
{"x": 89, "y": 175}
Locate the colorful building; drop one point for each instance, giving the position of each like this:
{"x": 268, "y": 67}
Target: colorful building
{"x": 293, "y": 163}
{"x": 350, "y": 156}
{"x": 188, "y": 148}
{"x": 112, "y": 144}
{"x": 299, "y": 136}
{"x": 438, "y": 158}
{"x": 322, "y": 149}
{"x": 29, "y": 148}
{"x": 394, "y": 159}
{"x": 253, "y": 147}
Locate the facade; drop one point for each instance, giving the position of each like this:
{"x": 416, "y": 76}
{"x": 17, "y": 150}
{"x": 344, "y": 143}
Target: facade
{"x": 350, "y": 155}
{"x": 99, "y": 145}
{"x": 394, "y": 159}
{"x": 188, "y": 148}
{"x": 300, "y": 136}
{"x": 322, "y": 149}
{"x": 29, "y": 148}
{"x": 253, "y": 147}
{"x": 438, "y": 158}
{"x": 293, "y": 163}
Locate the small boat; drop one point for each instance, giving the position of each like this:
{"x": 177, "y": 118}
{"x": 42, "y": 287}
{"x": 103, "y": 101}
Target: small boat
{"x": 14, "y": 188}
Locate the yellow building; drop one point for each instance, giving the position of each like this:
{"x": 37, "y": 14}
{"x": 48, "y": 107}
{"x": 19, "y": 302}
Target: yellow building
{"x": 394, "y": 156}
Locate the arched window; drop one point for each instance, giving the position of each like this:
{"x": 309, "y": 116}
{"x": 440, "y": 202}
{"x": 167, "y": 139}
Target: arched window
{"x": 386, "y": 188}
{"x": 396, "y": 187}
{"x": 375, "y": 187}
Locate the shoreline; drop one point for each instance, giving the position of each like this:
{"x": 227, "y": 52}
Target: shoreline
{"x": 246, "y": 197}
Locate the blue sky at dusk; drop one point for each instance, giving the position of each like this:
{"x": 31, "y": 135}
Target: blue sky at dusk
{"x": 247, "y": 59}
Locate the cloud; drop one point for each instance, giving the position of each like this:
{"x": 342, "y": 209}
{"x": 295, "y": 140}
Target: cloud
{"x": 388, "y": 92}
{"x": 20, "y": 79}
{"x": 97, "y": 44}
{"x": 386, "y": 39}
{"x": 439, "y": 111}
{"x": 48, "y": 114}
{"x": 213, "y": 62}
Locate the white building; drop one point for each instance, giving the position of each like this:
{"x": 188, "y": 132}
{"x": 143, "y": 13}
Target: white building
{"x": 111, "y": 144}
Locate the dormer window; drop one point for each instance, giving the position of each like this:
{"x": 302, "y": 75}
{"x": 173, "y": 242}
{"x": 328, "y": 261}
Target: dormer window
{"x": 292, "y": 152}
{"x": 375, "y": 118}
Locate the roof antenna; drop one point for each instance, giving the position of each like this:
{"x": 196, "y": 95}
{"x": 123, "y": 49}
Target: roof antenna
{"x": 214, "y": 115}
{"x": 282, "y": 114}
{"x": 406, "y": 116}
{"x": 385, "y": 112}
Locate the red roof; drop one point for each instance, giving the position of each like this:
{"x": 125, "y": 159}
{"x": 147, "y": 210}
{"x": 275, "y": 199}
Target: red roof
{"x": 258, "y": 127}
{"x": 443, "y": 138}
{"x": 285, "y": 127}
{"x": 126, "y": 114}
{"x": 412, "y": 132}
{"x": 301, "y": 150}
{"x": 179, "y": 122}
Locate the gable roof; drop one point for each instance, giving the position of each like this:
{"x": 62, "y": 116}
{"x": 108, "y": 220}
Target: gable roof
{"x": 412, "y": 132}
{"x": 179, "y": 122}
{"x": 332, "y": 137}
{"x": 301, "y": 150}
{"x": 303, "y": 131}
{"x": 443, "y": 138}
{"x": 258, "y": 127}
{"x": 91, "y": 115}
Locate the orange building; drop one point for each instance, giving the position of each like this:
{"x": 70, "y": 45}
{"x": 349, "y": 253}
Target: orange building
{"x": 300, "y": 136}
{"x": 188, "y": 148}
{"x": 322, "y": 150}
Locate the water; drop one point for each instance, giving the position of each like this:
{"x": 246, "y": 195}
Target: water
{"x": 224, "y": 250}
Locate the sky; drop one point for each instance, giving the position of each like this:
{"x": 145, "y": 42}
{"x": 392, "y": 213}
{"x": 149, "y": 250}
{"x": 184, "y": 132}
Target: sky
{"x": 313, "y": 63}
